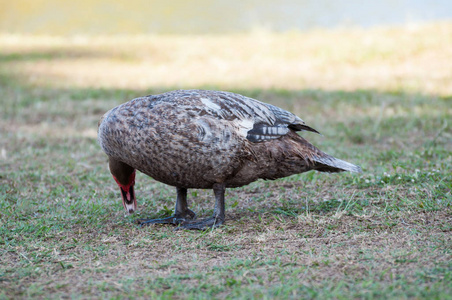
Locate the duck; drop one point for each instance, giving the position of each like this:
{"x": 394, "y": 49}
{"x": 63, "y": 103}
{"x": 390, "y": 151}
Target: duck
{"x": 204, "y": 139}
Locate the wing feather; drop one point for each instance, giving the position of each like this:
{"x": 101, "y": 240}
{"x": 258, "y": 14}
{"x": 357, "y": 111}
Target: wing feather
{"x": 255, "y": 120}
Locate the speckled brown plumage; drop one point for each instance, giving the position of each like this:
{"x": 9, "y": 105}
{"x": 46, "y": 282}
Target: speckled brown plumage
{"x": 207, "y": 139}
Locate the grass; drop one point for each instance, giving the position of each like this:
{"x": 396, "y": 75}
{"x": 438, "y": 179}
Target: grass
{"x": 381, "y": 98}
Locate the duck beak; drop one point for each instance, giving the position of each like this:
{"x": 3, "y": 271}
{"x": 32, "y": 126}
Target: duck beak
{"x": 128, "y": 200}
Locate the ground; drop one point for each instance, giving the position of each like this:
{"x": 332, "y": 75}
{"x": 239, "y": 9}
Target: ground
{"x": 381, "y": 97}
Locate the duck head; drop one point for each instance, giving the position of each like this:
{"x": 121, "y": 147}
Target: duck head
{"x": 124, "y": 176}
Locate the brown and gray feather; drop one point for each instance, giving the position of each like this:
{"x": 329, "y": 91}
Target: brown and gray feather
{"x": 196, "y": 138}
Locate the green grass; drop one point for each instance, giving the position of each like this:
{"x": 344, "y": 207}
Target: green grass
{"x": 385, "y": 233}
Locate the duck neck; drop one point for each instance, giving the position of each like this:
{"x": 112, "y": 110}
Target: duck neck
{"x": 122, "y": 172}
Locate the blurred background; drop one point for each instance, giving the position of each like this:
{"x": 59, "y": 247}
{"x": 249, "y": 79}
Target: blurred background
{"x": 135, "y": 44}
{"x": 226, "y": 44}
{"x": 66, "y": 17}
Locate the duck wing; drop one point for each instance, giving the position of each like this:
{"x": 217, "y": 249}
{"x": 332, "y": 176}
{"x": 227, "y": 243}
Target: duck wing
{"x": 283, "y": 122}
{"x": 255, "y": 120}
{"x": 260, "y": 122}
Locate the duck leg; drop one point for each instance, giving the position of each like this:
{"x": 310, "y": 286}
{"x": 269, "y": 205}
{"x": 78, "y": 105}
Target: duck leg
{"x": 181, "y": 212}
{"x": 218, "y": 213}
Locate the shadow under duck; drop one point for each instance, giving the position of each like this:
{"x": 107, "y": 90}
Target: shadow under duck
{"x": 208, "y": 140}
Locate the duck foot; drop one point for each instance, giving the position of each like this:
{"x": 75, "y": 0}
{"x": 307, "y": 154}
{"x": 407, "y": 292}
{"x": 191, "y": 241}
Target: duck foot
{"x": 218, "y": 213}
{"x": 175, "y": 219}
{"x": 204, "y": 224}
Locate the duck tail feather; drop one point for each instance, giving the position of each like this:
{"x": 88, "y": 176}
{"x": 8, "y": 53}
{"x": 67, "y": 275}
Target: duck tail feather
{"x": 332, "y": 164}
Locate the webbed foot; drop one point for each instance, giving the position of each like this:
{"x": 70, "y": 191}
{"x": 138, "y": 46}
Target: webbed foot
{"x": 203, "y": 224}
{"x": 175, "y": 219}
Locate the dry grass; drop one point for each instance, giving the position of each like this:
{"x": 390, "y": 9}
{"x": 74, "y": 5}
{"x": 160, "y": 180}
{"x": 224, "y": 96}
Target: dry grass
{"x": 419, "y": 58}
{"x": 381, "y": 98}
